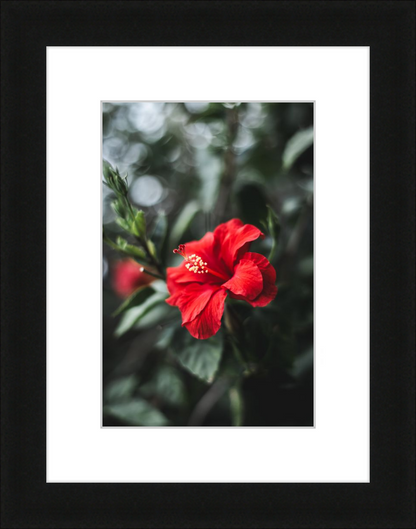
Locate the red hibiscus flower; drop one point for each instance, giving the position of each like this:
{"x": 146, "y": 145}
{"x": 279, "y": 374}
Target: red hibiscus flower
{"x": 128, "y": 277}
{"x": 217, "y": 265}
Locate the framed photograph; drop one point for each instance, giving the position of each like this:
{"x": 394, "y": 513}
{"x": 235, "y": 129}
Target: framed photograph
{"x": 196, "y": 219}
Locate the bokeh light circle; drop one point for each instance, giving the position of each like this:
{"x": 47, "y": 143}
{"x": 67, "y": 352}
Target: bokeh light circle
{"x": 146, "y": 191}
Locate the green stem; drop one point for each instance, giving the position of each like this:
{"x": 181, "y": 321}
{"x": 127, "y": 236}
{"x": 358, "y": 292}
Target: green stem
{"x": 154, "y": 261}
{"x": 143, "y": 269}
{"x": 145, "y": 246}
{"x": 236, "y": 406}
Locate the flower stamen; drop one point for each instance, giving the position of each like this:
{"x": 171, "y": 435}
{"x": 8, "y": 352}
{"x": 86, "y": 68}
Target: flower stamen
{"x": 195, "y": 263}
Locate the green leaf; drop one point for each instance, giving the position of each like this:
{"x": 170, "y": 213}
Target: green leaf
{"x": 166, "y": 335}
{"x": 183, "y": 222}
{"x": 121, "y": 389}
{"x": 132, "y": 316}
{"x": 139, "y": 225}
{"x": 200, "y": 357}
{"x": 159, "y": 315}
{"x": 119, "y": 208}
{"x": 123, "y": 223}
{"x": 130, "y": 249}
{"x": 137, "y": 412}
{"x": 123, "y": 246}
{"x": 137, "y": 298}
{"x": 152, "y": 249}
{"x": 167, "y": 385}
{"x": 108, "y": 241}
{"x": 296, "y": 146}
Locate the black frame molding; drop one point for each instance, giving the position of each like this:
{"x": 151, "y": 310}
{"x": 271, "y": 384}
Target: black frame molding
{"x": 28, "y": 27}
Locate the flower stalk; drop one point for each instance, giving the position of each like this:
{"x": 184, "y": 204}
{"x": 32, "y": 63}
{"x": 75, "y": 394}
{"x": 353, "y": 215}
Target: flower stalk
{"x": 143, "y": 269}
{"x": 132, "y": 221}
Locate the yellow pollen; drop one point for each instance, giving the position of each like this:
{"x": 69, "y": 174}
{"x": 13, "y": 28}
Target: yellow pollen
{"x": 195, "y": 264}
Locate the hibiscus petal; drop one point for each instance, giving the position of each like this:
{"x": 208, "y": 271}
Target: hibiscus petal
{"x": 208, "y": 321}
{"x": 247, "y": 280}
{"x": 204, "y": 247}
{"x": 233, "y": 236}
{"x": 269, "y": 278}
{"x": 223, "y": 230}
{"x": 176, "y": 275}
{"x": 180, "y": 276}
{"x": 192, "y": 299}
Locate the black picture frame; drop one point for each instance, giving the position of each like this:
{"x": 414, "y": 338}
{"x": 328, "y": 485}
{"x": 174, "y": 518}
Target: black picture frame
{"x": 28, "y": 27}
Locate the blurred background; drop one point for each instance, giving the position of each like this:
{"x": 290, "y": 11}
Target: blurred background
{"x": 190, "y": 167}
